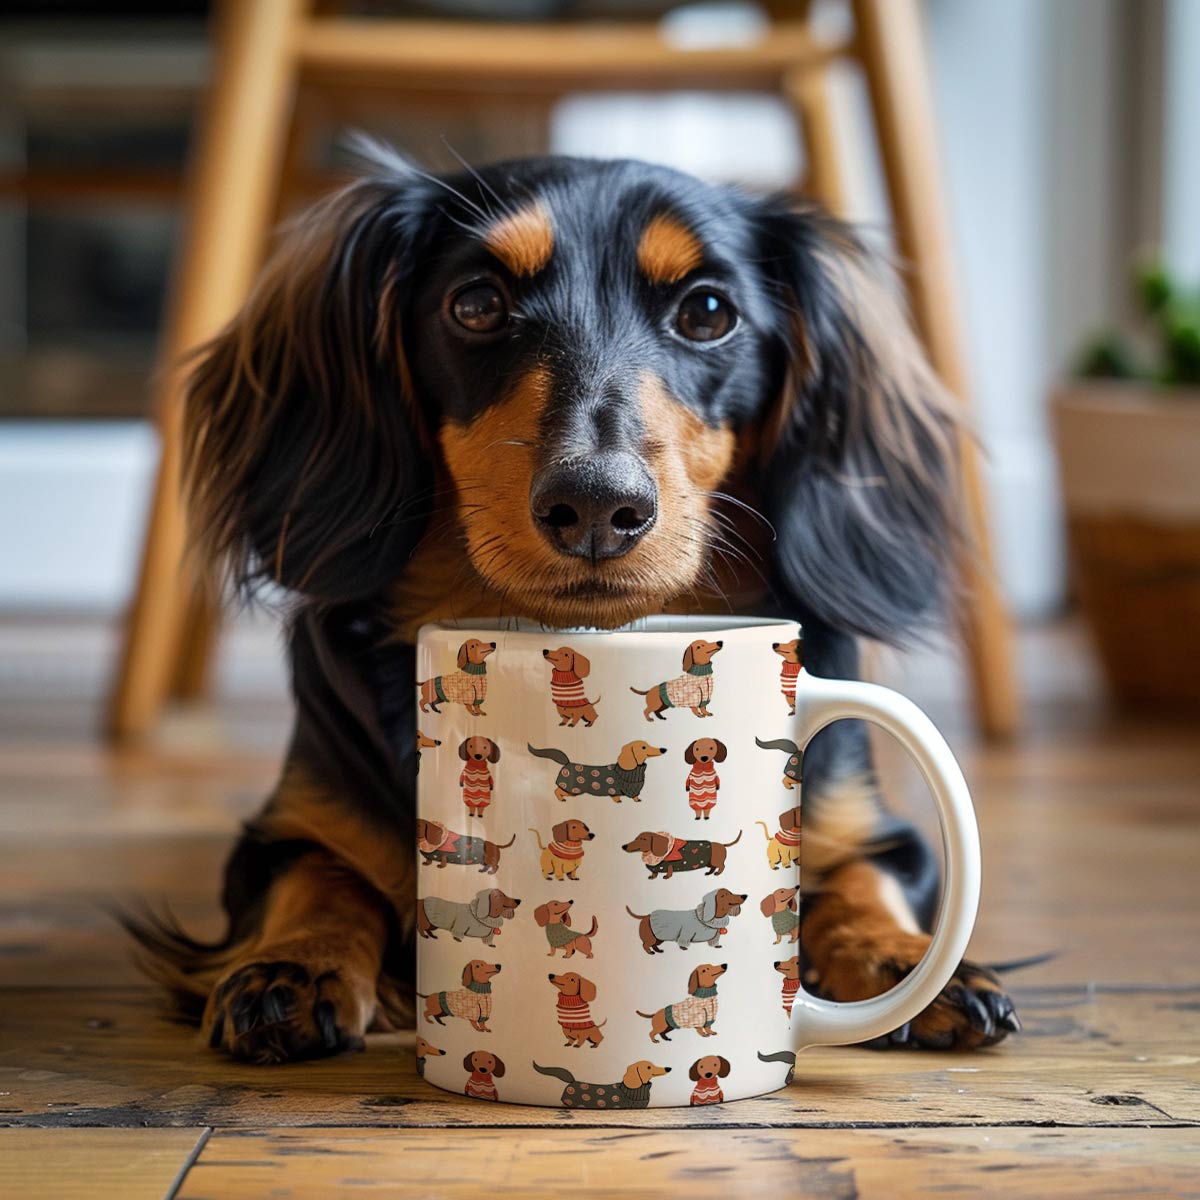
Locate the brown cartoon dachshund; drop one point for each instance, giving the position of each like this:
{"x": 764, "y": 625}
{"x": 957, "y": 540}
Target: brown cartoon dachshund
{"x": 561, "y": 858}
{"x": 698, "y": 1011}
{"x": 625, "y": 777}
{"x": 792, "y": 654}
{"x": 555, "y": 918}
{"x": 426, "y": 1050}
{"x": 780, "y": 907}
{"x": 704, "y": 923}
{"x": 438, "y": 844}
{"x": 789, "y": 968}
{"x": 485, "y": 1067}
{"x": 693, "y": 689}
{"x": 573, "y": 1013}
{"x": 483, "y": 917}
{"x": 631, "y": 1091}
{"x": 569, "y": 670}
{"x": 466, "y": 686}
{"x": 783, "y": 850}
{"x": 425, "y": 743}
{"x": 664, "y": 854}
{"x": 706, "y": 1074}
{"x": 472, "y": 1002}
{"x": 476, "y": 780}
{"x": 703, "y": 783}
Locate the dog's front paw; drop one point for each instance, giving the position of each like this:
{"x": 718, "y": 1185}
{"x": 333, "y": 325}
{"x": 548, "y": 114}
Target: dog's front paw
{"x": 972, "y": 1009}
{"x": 276, "y": 1010}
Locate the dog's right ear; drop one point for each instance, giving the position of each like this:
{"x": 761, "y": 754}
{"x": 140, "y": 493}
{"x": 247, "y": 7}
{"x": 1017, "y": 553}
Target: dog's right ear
{"x": 466, "y": 974}
{"x": 693, "y": 981}
{"x": 304, "y": 447}
{"x": 583, "y": 665}
{"x": 689, "y": 658}
{"x": 468, "y": 1065}
{"x": 559, "y": 832}
{"x": 689, "y": 755}
{"x": 541, "y": 915}
{"x": 768, "y": 904}
{"x": 494, "y": 752}
{"x": 462, "y": 750}
{"x": 462, "y": 656}
{"x": 694, "y": 1071}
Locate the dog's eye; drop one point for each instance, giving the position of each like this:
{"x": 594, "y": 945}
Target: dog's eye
{"x": 705, "y": 316}
{"x": 481, "y": 308}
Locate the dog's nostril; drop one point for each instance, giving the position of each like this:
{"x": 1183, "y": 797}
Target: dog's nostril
{"x": 627, "y": 519}
{"x": 561, "y": 516}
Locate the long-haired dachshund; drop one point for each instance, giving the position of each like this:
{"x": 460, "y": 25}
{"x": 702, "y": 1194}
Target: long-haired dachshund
{"x": 579, "y": 392}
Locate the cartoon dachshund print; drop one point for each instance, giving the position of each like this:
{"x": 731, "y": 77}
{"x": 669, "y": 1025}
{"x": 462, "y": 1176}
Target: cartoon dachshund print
{"x": 484, "y": 1067}
{"x": 625, "y": 777}
{"x": 561, "y": 858}
{"x": 555, "y": 918}
{"x": 704, "y": 923}
{"x": 466, "y": 686}
{"x": 476, "y": 780}
{"x": 438, "y": 844}
{"x": 707, "y": 1073}
{"x": 783, "y": 1056}
{"x": 425, "y": 1050}
{"x": 792, "y": 654}
{"x": 789, "y": 968}
{"x": 779, "y": 907}
{"x": 482, "y": 917}
{"x": 795, "y": 762}
{"x": 425, "y": 743}
{"x": 783, "y": 850}
{"x": 703, "y": 783}
{"x": 575, "y": 995}
{"x": 664, "y": 854}
{"x": 472, "y": 1002}
{"x": 693, "y": 689}
{"x": 698, "y": 1011}
{"x": 569, "y": 669}
{"x": 632, "y": 1091}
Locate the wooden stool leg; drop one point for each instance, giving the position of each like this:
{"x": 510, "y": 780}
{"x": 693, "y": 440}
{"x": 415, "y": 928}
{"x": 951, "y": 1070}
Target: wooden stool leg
{"x": 889, "y": 37}
{"x": 231, "y": 199}
{"x": 808, "y": 92}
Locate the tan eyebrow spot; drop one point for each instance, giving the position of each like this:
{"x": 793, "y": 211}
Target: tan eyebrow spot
{"x": 523, "y": 241}
{"x": 668, "y": 250}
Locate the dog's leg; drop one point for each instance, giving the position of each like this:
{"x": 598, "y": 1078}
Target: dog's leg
{"x": 305, "y": 986}
{"x": 873, "y": 885}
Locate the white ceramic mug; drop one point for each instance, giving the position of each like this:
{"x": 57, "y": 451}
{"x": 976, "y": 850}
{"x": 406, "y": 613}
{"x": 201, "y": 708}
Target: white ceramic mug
{"x": 607, "y": 839}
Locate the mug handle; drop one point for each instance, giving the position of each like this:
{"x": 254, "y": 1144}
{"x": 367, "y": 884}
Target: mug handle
{"x": 820, "y": 702}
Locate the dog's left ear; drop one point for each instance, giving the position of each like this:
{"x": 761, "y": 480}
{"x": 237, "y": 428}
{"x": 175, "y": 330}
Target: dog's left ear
{"x": 723, "y": 1069}
{"x": 693, "y": 981}
{"x": 304, "y": 446}
{"x": 767, "y": 904}
{"x": 463, "y": 656}
{"x": 587, "y": 990}
{"x": 689, "y": 658}
{"x": 722, "y": 752}
{"x": 583, "y": 664}
{"x": 498, "y": 1067}
{"x": 494, "y": 752}
{"x": 861, "y": 454}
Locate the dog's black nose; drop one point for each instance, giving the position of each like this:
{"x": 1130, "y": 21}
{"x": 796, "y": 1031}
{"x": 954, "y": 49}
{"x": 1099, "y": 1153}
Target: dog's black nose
{"x": 598, "y": 507}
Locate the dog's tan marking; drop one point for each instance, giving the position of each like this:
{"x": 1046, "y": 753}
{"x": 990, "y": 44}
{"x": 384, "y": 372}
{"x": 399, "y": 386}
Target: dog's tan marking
{"x": 668, "y": 250}
{"x": 523, "y": 241}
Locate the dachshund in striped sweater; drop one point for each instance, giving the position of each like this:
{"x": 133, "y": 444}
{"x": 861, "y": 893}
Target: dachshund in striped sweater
{"x": 575, "y": 995}
{"x": 569, "y": 669}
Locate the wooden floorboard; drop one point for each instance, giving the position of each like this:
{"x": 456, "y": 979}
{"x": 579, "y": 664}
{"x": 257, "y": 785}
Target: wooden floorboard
{"x": 699, "y": 1165}
{"x": 1091, "y": 836}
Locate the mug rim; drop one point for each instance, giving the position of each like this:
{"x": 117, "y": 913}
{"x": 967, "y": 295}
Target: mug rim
{"x": 668, "y": 623}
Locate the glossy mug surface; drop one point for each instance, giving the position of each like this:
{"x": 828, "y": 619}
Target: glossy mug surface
{"x": 608, "y": 845}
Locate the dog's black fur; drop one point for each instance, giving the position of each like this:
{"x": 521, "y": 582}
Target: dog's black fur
{"x": 315, "y": 464}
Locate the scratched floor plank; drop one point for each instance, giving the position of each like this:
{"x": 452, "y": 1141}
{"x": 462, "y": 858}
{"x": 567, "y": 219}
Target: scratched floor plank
{"x": 100, "y": 1164}
{"x": 810, "y": 1165}
{"x": 1088, "y": 1057}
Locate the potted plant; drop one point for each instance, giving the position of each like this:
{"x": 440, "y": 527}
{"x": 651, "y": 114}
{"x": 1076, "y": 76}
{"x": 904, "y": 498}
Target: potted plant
{"x": 1127, "y": 427}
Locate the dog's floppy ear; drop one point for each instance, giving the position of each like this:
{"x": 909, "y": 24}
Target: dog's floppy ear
{"x": 463, "y": 655}
{"x": 689, "y": 658}
{"x": 723, "y": 1069}
{"x": 693, "y": 981}
{"x": 566, "y": 918}
{"x": 462, "y": 750}
{"x": 481, "y": 906}
{"x": 861, "y": 454}
{"x": 494, "y": 752}
{"x": 768, "y": 904}
{"x": 587, "y": 990}
{"x": 689, "y": 755}
{"x": 583, "y": 664}
{"x": 304, "y": 447}
{"x": 627, "y": 759}
{"x": 468, "y": 1065}
{"x": 541, "y": 915}
{"x": 466, "y": 974}
{"x": 694, "y": 1071}
{"x": 559, "y": 832}
{"x": 498, "y": 1066}
{"x": 722, "y": 752}
{"x": 708, "y": 907}
{"x": 659, "y": 844}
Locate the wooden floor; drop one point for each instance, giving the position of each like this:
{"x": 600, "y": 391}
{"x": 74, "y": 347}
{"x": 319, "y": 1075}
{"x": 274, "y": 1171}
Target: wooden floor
{"x": 1091, "y": 830}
